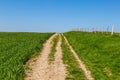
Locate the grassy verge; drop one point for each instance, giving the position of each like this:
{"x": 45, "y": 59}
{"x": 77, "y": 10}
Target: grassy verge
{"x": 73, "y": 70}
{"x": 53, "y": 49}
{"x": 100, "y": 52}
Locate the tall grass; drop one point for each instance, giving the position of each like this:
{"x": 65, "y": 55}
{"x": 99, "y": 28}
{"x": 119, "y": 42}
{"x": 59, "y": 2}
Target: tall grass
{"x": 100, "y": 53}
{"x": 74, "y": 72}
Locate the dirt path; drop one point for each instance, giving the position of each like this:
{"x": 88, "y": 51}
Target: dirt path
{"x": 42, "y": 70}
{"x": 39, "y": 68}
{"x": 82, "y": 65}
{"x": 58, "y": 68}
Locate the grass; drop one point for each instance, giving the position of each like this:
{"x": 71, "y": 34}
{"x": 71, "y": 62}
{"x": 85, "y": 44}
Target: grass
{"x": 100, "y": 53}
{"x": 53, "y": 49}
{"x": 74, "y": 72}
{"x": 15, "y": 50}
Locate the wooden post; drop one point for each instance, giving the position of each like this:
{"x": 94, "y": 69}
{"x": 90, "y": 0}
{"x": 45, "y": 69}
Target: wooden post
{"x": 112, "y": 30}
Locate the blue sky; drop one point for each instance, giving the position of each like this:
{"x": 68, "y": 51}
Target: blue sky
{"x": 58, "y": 15}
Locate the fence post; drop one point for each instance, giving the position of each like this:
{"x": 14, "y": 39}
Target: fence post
{"x": 112, "y": 30}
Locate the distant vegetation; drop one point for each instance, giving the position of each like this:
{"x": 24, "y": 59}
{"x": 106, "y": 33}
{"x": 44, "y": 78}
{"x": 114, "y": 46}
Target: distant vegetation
{"x": 15, "y": 50}
{"x": 100, "y": 53}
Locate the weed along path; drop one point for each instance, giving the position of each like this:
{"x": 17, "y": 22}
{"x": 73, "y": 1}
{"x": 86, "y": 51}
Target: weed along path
{"x": 41, "y": 69}
{"x": 81, "y": 64}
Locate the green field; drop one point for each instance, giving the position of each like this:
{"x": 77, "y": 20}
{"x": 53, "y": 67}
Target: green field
{"x": 15, "y": 50}
{"x": 100, "y": 53}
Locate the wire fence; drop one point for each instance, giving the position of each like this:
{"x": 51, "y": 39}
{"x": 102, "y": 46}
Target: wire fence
{"x": 103, "y": 30}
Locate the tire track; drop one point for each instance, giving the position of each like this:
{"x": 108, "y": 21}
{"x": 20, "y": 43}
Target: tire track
{"x": 40, "y": 67}
{"x": 42, "y": 70}
{"x": 58, "y": 69}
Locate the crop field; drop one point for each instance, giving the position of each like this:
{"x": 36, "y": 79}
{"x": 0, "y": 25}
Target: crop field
{"x": 15, "y": 50}
{"x": 68, "y": 56}
{"x": 99, "y": 52}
